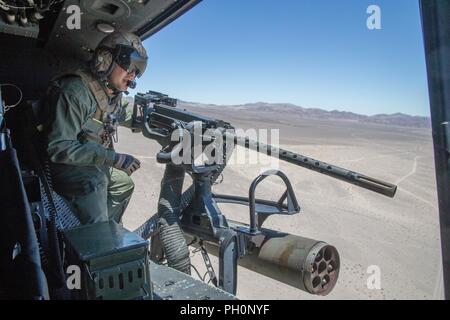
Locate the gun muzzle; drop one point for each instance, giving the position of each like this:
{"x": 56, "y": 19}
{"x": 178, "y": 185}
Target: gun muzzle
{"x": 306, "y": 264}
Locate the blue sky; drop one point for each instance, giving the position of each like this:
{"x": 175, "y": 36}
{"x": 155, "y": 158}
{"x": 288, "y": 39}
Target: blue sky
{"x": 316, "y": 54}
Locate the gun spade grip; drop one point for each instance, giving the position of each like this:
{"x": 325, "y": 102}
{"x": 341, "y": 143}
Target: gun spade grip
{"x": 163, "y": 157}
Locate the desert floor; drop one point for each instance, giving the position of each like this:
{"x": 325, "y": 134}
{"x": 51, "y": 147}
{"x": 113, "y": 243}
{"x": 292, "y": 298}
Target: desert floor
{"x": 399, "y": 235}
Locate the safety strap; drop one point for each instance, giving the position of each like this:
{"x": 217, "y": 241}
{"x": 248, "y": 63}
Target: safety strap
{"x": 103, "y": 102}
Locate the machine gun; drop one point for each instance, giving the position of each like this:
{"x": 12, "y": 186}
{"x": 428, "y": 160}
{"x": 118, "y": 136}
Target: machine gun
{"x": 307, "y": 264}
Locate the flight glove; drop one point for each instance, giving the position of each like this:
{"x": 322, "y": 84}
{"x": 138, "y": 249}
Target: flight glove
{"x": 126, "y": 163}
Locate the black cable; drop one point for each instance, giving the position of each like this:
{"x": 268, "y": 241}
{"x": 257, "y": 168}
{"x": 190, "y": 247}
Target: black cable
{"x": 196, "y": 271}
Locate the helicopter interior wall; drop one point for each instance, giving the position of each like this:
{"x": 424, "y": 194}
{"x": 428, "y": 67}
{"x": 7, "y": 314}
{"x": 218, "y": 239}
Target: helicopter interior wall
{"x": 29, "y": 67}
{"x": 99, "y": 17}
{"x": 25, "y": 65}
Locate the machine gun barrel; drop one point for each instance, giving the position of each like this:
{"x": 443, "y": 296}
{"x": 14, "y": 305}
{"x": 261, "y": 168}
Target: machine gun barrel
{"x": 164, "y": 117}
{"x": 352, "y": 177}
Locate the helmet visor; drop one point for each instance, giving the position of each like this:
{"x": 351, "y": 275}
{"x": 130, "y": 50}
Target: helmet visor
{"x": 130, "y": 60}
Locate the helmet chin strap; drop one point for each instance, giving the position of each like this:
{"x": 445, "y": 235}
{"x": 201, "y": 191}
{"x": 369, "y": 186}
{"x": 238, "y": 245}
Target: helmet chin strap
{"x": 109, "y": 86}
{"x": 130, "y": 83}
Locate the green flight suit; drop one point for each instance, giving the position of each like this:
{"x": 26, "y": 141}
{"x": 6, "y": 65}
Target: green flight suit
{"x": 82, "y": 169}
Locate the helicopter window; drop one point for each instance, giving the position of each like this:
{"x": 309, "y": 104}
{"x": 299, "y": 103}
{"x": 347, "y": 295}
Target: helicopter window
{"x": 337, "y": 90}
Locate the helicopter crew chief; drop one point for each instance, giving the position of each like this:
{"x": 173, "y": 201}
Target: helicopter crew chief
{"x": 85, "y": 108}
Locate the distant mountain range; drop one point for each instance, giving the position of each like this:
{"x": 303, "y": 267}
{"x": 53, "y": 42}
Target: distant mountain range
{"x": 396, "y": 119}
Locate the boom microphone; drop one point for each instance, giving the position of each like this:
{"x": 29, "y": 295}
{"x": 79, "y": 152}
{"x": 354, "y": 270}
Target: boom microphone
{"x": 131, "y": 84}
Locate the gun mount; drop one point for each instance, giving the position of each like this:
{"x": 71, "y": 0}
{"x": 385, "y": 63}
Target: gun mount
{"x": 310, "y": 265}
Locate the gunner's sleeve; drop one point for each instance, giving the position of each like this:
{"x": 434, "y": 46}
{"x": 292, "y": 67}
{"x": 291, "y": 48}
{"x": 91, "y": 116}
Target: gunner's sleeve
{"x": 72, "y": 106}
